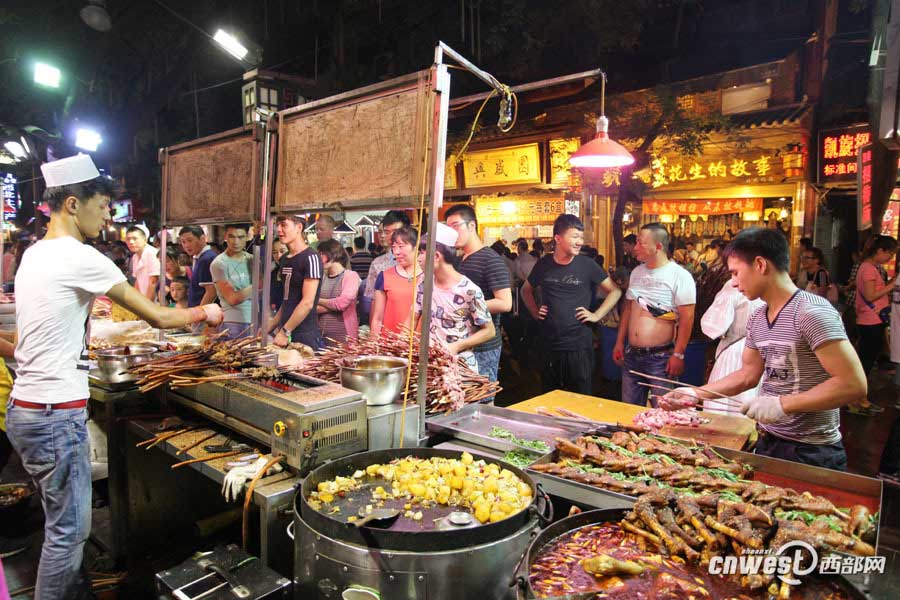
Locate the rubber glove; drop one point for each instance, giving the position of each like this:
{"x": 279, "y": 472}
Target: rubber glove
{"x": 235, "y": 479}
{"x": 682, "y": 397}
{"x": 763, "y": 409}
{"x": 209, "y": 313}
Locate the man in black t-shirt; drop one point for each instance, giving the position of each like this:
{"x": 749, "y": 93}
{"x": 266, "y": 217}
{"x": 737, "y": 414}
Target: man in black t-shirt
{"x": 301, "y": 272}
{"x": 567, "y": 282}
{"x": 486, "y": 269}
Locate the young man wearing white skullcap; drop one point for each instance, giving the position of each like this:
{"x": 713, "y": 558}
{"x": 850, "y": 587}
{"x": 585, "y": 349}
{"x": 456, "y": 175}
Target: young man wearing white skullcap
{"x": 46, "y": 416}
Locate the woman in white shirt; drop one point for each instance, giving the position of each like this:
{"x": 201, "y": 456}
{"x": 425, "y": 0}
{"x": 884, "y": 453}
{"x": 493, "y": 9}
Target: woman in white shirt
{"x": 727, "y": 318}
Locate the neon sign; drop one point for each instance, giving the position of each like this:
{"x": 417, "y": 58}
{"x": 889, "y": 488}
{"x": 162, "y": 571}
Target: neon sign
{"x": 838, "y": 149}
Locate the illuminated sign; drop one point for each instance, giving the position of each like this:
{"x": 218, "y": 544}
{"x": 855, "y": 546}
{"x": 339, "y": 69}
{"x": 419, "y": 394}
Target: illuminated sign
{"x": 838, "y": 149}
{"x": 10, "y": 198}
{"x": 703, "y": 207}
{"x": 666, "y": 171}
{"x": 528, "y": 210}
{"x": 502, "y": 166}
{"x": 864, "y": 188}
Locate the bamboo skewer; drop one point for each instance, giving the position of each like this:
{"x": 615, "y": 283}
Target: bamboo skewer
{"x": 171, "y": 435}
{"x": 682, "y": 384}
{"x": 699, "y": 401}
{"x": 209, "y": 458}
{"x": 197, "y": 443}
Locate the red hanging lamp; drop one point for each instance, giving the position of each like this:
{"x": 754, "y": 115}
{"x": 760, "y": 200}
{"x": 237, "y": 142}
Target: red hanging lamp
{"x": 601, "y": 152}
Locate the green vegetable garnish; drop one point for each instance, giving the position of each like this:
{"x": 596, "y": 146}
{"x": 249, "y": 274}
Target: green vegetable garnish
{"x": 505, "y": 434}
{"x": 518, "y": 458}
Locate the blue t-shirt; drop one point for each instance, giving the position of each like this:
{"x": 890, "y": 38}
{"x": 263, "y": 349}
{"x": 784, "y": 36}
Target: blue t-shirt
{"x": 200, "y": 276}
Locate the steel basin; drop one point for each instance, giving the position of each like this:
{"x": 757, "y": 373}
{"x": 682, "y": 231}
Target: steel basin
{"x": 380, "y": 379}
{"x": 113, "y": 363}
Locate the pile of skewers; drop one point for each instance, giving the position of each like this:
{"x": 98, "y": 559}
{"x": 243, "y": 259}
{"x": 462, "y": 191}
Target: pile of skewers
{"x": 451, "y": 383}
{"x": 182, "y": 370}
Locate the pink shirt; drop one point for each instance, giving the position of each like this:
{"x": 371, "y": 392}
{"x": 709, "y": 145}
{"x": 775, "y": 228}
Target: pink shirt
{"x": 144, "y": 266}
{"x": 867, "y": 312}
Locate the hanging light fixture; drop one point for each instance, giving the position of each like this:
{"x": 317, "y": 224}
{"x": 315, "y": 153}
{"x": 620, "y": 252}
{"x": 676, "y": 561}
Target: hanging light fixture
{"x": 95, "y": 16}
{"x": 602, "y": 152}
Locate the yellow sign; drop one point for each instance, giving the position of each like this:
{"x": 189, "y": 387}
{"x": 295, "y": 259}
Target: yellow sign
{"x": 702, "y": 207}
{"x": 450, "y": 182}
{"x": 503, "y": 166}
{"x": 491, "y": 210}
{"x": 668, "y": 170}
{"x": 560, "y": 151}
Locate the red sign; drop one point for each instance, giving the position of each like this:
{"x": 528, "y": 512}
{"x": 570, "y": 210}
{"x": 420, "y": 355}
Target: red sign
{"x": 838, "y": 149}
{"x": 864, "y": 188}
{"x": 702, "y": 207}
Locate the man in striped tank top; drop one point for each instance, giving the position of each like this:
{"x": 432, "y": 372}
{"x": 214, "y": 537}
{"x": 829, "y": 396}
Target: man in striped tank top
{"x": 798, "y": 347}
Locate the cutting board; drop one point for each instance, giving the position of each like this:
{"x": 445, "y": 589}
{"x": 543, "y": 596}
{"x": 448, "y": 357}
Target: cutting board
{"x": 725, "y": 431}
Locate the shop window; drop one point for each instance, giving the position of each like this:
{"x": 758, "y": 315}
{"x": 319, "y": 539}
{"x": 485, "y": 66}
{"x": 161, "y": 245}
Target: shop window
{"x": 745, "y": 98}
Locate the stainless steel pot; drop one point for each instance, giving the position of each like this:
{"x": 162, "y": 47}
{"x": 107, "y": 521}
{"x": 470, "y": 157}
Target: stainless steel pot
{"x": 113, "y": 363}
{"x": 380, "y": 379}
{"x": 331, "y": 557}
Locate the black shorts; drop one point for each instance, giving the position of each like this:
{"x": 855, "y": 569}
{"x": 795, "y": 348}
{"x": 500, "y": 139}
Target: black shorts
{"x": 570, "y": 370}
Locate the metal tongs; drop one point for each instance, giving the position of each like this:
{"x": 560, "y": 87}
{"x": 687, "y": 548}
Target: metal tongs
{"x": 574, "y": 420}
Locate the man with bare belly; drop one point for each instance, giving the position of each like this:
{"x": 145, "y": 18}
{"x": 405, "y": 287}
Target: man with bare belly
{"x": 657, "y": 318}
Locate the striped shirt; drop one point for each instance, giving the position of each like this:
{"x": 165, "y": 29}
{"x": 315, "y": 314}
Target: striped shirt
{"x": 787, "y": 347}
{"x": 486, "y": 269}
{"x": 360, "y": 262}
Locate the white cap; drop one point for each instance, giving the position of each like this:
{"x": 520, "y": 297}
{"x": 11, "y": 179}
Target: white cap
{"x": 144, "y": 228}
{"x": 65, "y": 171}
{"x": 446, "y": 235}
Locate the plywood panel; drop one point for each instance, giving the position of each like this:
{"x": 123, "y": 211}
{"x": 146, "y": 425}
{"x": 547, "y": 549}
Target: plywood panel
{"x": 370, "y": 151}
{"x": 212, "y": 182}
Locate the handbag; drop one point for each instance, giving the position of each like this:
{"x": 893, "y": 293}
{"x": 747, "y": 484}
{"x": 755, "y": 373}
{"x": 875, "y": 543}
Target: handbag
{"x": 884, "y": 314}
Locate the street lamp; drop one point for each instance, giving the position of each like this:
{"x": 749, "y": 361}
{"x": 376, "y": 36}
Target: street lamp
{"x": 87, "y": 139}
{"x": 46, "y": 75}
{"x": 16, "y": 149}
{"x": 231, "y": 44}
{"x": 602, "y": 152}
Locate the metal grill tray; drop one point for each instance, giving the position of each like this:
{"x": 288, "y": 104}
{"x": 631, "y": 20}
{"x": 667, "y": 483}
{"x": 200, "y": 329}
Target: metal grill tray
{"x": 473, "y": 423}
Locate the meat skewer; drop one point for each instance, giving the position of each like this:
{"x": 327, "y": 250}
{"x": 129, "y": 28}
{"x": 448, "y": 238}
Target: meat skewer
{"x": 694, "y": 400}
{"x": 683, "y": 384}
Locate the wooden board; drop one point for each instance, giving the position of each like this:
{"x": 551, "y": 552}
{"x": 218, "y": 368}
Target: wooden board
{"x": 212, "y": 182}
{"x": 724, "y": 431}
{"x": 368, "y": 151}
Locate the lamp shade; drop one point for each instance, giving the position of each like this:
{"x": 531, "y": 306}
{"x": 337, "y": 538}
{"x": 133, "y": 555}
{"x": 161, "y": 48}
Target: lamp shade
{"x": 601, "y": 152}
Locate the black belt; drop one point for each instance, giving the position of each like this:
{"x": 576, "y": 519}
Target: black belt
{"x": 643, "y": 351}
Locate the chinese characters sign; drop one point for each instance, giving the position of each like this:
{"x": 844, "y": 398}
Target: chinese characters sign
{"x": 450, "y": 182}
{"x": 864, "y": 187}
{"x": 10, "y": 198}
{"x": 838, "y": 149}
{"x": 669, "y": 170}
{"x": 508, "y": 210}
{"x": 560, "y": 151}
{"x": 502, "y": 166}
{"x": 703, "y": 207}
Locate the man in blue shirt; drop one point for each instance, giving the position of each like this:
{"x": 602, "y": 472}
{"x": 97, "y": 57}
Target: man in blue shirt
{"x": 193, "y": 241}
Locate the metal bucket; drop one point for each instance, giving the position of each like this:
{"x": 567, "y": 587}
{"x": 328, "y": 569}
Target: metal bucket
{"x": 380, "y": 379}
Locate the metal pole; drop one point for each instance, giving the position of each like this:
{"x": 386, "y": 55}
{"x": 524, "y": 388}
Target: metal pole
{"x": 164, "y": 238}
{"x": 441, "y": 82}
{"x": 534, "y": 85}
{"x": 267, "y": 223}
{"x": 469, "y": 66}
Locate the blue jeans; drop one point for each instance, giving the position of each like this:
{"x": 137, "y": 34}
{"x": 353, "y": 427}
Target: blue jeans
{"x": 652, "y": 364}
{"x": 53, "y": 446}
{"x": 489, "y": 366}
{"x": 236, "y": 330}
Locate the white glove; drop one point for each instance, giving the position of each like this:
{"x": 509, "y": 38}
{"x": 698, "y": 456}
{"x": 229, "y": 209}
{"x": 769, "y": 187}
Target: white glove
{"x": 682, "y": 397}
{"x": 763, "y": 409}
{"x": 211, "y": 314}
{"x": 238, "y": 476}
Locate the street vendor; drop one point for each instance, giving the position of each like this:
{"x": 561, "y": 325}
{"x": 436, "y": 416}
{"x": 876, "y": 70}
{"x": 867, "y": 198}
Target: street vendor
{"x": 797, "y": 345}
{"x": 56, "y": 284}
{"x": 657, "y": 318}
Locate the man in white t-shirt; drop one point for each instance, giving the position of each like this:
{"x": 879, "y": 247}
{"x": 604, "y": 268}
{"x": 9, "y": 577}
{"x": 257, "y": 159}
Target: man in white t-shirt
{"x": 144, "y": 261}
{"x": 46, "y": 417}
{"x": 658, "y": 316}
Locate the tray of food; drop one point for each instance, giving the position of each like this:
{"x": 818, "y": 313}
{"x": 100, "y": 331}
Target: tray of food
{"x": 620, "y": 554}
{"x": 504, "y": 429}
{"x": 626, "y": 466}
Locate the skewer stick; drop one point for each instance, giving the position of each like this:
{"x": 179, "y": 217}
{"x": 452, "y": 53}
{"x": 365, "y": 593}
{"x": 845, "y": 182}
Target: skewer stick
{"x": 197, "y": 443}
{"x": 169, "y": 436}
{"x": 698, "y": 400}
{"x": 681, "y": 384}
{"x": 208, "y": 458}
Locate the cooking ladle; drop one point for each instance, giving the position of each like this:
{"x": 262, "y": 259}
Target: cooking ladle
{"x": 380, "y": 517}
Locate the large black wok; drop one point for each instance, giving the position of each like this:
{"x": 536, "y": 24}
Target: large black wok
{"x": 404, "y": 534}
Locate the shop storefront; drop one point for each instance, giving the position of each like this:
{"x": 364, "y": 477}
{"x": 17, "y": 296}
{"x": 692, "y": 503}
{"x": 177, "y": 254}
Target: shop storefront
{"x": 517, "y": 190}
{"x": 755, "y": 177}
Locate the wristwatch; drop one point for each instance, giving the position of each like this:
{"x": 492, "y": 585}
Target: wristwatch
{"x": 678, "y": 355}
{"x": 287, "y": 332}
